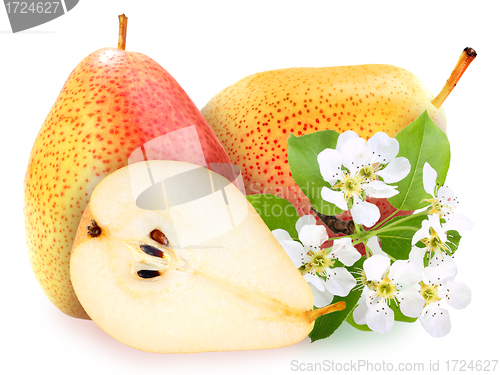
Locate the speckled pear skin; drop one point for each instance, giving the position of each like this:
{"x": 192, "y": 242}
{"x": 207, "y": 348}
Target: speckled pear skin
{"x": 254, "y": 117}
{"x": 113, "y": 102}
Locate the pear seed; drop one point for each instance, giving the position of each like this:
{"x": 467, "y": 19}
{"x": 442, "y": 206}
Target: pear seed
{"x": 153, "y": 251}
{"x": 148, "y": 274}
{"x": 159, "y": 237}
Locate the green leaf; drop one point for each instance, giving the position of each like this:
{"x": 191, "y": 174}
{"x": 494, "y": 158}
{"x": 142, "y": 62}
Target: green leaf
{"x": 396, "y": 235}
{"x": 303, "y": 161}
{"x": 326, "y": 325}
{"x": 277, "y": 212}
{"x": 420, "y": 142}
{"x": 453, "y": 240}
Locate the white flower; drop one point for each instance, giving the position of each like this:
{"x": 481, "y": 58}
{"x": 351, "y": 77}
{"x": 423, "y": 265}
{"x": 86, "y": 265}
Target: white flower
{"x": 317, "y": 264}
{"x": 443, "y": 201}
{"x": 385, "y": 284}
{"x": 434, "y": 236}
{"x": 365, "y": 162}
{"x": 440, "y": 286}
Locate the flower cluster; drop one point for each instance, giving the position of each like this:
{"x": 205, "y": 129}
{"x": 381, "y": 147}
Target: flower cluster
{"x": 414, "y": 285}
{"x": 433, "y": 234}
{"x": 320, "y": 266}
{"x": 417, "y": 294}
{"x": 354, "y": 170}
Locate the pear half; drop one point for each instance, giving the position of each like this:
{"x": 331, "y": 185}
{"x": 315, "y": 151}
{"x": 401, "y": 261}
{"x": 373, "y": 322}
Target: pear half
{"x": 171, "y": 258}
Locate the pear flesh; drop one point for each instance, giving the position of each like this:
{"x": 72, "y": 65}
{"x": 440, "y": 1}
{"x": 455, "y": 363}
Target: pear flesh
{"x": 216, "y": 280}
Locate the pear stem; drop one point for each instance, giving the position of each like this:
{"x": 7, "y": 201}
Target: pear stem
{"x": 466, "y": 57}
{"x": 122, "y": 37}
{"x": 315, "y": 314}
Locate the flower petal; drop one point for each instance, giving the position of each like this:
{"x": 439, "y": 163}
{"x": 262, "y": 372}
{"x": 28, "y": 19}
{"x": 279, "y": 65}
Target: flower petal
{"x": 335, "y": 197}
{"x": 374, "y": 246}
{"x": 315, "y": 280}
{"x": 429, "y": 177}
{"x": 339, "y": 281}
{"x": 293, "y": 249}
{"x": 371, "y": 296}
{"x": 417, "y": 256}
{"x": 405, "y": 273}
{"x": 380, "y": 317}
{"x": 458, "y": 222}
{"x": 458, "y": 295}
{"x": 411, "y": 302}
{"x": 446, "y": 196}
{"x": 396, "y": 170}
{"x": 321, "y": 297}
{"x": 376, "y": 266}
{"x": 281, "y": 235}
{"x": 439, "y": 258}
{"x": 384, "y": 147}
{"x": 295, "y": 252}
{"x": 422, "y": 232}
{"x": 436, "y": 321}
{"x": 304, "y": 220}
{"x": 435, "y": 224}
{"x": 359, "y": 313}
{"x": 330, "y": 161}
{"x": 344, "y": 251}
{"x": 313, "y": 235}
{"x": 344, "y": 137}
{"x": 355, "y": 153}
{"x": 379, "y": 189}
{"x": 440, "y": 274}
{"x": 365, "y": 213}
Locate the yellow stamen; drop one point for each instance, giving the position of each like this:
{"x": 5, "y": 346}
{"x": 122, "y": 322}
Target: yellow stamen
{"x": 350, "y": 185}
{"x": 434, "y": 243}
{"x": 385, "y": 289}
{"x": 367, "y": 173}
{"x": 429, "y": 292}
{"x": 318, "y": 261}
{"x": 365, "y": 282}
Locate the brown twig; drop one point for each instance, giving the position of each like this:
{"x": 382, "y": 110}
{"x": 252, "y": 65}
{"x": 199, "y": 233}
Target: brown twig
{"x": 335, "y": 224}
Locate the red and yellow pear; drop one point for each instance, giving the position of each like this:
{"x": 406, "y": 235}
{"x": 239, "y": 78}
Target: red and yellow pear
{"x": 113, "y": 103}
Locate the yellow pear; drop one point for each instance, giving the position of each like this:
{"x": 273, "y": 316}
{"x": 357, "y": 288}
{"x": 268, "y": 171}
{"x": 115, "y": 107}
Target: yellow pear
{"x": 170, "y": 257}
{"x": 254, "y": 117}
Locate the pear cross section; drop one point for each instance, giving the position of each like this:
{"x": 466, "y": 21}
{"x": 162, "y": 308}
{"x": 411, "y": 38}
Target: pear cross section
{"x": 193, "y": 272}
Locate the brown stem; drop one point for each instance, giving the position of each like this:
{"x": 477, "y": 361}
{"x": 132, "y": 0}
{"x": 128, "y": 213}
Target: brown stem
{"x": 466, "y": 57}
{"x": 315, "y": 314}
{"x": 335, "y": 224}
{"x": 122, "y": 37}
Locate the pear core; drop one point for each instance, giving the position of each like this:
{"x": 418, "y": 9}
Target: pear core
{"x": 223, "y": 281}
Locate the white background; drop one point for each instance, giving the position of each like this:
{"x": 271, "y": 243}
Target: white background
{"x": 207, "y": 45}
